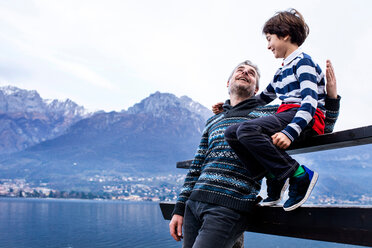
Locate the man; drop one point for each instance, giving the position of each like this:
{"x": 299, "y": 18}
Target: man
{"x": 219, "y": 191}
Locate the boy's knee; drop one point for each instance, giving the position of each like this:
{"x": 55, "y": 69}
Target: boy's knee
{"x": 248, "y": 130}
{"x": 230, "y": 132}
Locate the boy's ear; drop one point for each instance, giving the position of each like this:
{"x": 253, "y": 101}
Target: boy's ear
{"x": 287, "y": 38}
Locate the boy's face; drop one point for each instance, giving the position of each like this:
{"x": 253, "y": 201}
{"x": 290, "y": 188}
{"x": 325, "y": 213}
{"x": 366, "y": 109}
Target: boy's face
{"x": 279, "y": 46}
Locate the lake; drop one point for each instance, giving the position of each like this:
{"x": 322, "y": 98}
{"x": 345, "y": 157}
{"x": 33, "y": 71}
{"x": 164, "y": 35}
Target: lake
{"x": 86, "y": 223}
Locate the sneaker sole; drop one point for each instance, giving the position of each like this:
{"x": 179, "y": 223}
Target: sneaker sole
{"x": 308, "y": 192}
{"x": 272, "y": 203}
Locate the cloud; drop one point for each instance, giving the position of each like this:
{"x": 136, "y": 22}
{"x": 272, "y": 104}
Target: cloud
{"x": 70, "y": 66}
{"x": 126, "y": 50}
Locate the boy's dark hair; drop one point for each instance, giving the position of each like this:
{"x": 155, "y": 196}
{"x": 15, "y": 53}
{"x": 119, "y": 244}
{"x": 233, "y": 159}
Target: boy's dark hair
{"x": 289, "y": 22}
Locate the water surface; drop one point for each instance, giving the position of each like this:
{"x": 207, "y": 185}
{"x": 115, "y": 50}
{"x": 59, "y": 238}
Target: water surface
{"x": 109, "y": 224}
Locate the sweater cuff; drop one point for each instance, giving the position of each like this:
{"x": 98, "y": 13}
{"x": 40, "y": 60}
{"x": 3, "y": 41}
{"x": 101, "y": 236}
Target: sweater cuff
{"x": 333, "y": 104}
{"x": 290, "y": 133}
{"x": 179, "y": 209}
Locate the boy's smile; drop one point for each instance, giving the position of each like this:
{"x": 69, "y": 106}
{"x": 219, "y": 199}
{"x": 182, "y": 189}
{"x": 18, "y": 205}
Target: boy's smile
{"x": 276, "y": 45}
{"x": 280, "y": 46}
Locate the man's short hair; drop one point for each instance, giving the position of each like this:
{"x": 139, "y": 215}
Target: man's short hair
{"x": 248, "y": 62}
{"x": 289, "y": 22}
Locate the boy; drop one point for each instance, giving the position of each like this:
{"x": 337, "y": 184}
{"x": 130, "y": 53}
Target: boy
{"x": 300, "y": 84}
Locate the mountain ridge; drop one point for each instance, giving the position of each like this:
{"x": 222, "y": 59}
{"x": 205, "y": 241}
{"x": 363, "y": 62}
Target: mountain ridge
{"x": 152, "y": 135}
{"x": 27, "y": 119}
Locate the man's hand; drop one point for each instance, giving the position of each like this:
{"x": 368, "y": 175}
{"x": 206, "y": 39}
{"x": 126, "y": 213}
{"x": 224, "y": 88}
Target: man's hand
{"x": 175, "y": 227}
{"x": 281, "y": 140}
{"x": 331, "y": 85}
{"x": 217, "y": 108}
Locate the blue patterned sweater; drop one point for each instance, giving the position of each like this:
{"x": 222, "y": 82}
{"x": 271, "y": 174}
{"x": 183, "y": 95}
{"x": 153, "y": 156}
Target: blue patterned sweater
{"x": 216, "y": 174}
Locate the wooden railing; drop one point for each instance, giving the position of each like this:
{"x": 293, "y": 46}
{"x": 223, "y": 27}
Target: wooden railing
{"x": 333, "y": 223}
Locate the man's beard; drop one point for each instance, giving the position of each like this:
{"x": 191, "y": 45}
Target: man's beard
{"x": 241, "y": 91}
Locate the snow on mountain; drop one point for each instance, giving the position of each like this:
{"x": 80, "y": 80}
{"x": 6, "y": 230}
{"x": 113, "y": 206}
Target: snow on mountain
{"x": 165, "y": 104}
{"x": 27, "y": 119}
{"x": 13, "y": 99}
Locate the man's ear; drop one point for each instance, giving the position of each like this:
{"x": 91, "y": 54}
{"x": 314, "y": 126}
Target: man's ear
{"x": 228, "y": 83}
{"x": 255, "y": 91}
{"x": 287, "y": 38}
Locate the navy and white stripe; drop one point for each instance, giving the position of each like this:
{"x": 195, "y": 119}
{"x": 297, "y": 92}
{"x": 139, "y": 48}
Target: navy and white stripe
{"x": 299, "y": 81}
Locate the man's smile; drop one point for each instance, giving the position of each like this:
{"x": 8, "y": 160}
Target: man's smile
{"x": 243, "y": 78}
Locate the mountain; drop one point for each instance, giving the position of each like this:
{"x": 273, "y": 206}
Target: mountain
{"x": 26, "y": 119}
{"x": 145, "y": 140}
{"x": 150, "y": 137}
{"x": 159, "y": 104}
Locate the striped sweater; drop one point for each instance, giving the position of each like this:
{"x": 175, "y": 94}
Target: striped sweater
{"x": 299, "y": 81}
{"x": 216, "y": 174}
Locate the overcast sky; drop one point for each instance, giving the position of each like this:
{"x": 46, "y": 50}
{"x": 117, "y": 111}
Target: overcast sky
{"x": 111, "y": 54}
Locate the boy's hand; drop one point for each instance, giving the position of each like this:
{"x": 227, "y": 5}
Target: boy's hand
{"x": 331, "y": 85}
{"x": 175, "y": 227}
{"x": 217, "y": 108}
{"x": 281, "y": 140}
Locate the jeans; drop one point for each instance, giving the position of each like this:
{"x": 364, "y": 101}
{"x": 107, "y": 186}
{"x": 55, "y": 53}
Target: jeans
{"x": 251, "y": 141}
{"x": 210, "y": 226}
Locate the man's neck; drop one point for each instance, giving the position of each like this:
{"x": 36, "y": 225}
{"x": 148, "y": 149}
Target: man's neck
{"x": 235, "y": 100}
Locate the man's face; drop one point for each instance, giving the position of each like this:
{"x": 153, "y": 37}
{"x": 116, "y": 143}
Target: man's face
{"x": 244, "y": 78}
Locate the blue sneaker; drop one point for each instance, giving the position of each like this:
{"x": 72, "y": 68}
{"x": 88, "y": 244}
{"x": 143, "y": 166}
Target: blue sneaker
{"x": 275, "y": 191}
{"x": 300, "y": 189}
